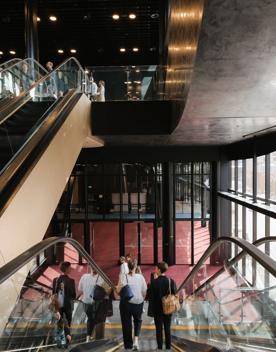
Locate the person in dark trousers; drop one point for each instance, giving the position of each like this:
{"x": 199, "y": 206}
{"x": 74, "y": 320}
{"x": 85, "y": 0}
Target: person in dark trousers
{"x": 158, "y": 289}
{"x": 132, "y": 308}
{"x": 64, "y": 288}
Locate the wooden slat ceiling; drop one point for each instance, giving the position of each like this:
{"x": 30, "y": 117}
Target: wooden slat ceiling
{"x": 87, "y": 26}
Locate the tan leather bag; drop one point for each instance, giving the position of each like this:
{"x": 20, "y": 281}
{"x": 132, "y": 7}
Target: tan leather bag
{"x": 170, "y": 302}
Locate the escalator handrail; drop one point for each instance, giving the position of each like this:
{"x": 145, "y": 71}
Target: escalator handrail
{"x": 256, "y": 243}
{"x": 249, "y": 248}
{"x": 21, "y": 62}
{"x": 16, "y": 103}
{"x": 14, "y": 164}
{"x": 7, "y": 270}
{"x": 9, "y": 62}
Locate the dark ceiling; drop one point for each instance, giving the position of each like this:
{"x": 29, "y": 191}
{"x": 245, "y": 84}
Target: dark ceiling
{"x": 88, "y": 27}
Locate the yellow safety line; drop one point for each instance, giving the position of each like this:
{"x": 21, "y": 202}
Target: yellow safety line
{"x": 113, "y": 349}
{"x": 176, "y": 348}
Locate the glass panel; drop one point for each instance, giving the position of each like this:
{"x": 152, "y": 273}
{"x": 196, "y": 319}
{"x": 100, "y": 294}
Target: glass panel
{"x": 249, "y": 176}
{"x": 240, "y": 168}
{"x": 131, "y": 239}
{"x": 201, "y": 239}
{"x": 18, "y": 77}
{"x": 260, "y": 225}
{"x": 261, "y": 176}
{"x": 103, "y": 233}
{"x": 183, "y": 242}
{"x": 147, "y": 243}
{"x": 231, "y": 310}
{"x": 133, "y": 83}
{"x": 273, "y": 176}
{"x": 183, "y": 191}
{"x": 160, "y": 244}
{"x": 38, "y": 98}
{"x": 249, "y": 225}
{"x": 31, "y": 315}
{"x": 232, "y": 171}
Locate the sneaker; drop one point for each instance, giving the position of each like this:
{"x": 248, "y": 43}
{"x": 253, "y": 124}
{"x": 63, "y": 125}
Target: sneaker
{"x": 135, "y": 347}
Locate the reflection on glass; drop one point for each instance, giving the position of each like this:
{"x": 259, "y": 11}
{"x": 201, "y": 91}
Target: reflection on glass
{"x": 261, "y": 176}
{"x": 249, "y": 176}
{"x": 136, "y": 83}
{"x": 183, "y": 242}
{"x": 29, "y": 313}
{"x": 240, "y": 172}
{"x": 273, "y": 176}
{"x": 229, "y": 308}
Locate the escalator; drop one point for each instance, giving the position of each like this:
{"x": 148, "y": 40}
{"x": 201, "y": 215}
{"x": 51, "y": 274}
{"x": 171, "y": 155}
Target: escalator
{"x": 230, "y": 297}
{"x": 8, "y": 63}
{"x": 224, "y": 307}
{"x": 42, "y": 131}
{"x": 17, "y": 76}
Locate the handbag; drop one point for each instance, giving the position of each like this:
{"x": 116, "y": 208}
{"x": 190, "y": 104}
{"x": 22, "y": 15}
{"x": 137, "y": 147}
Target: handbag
{"x": 170, "y": 303}
{"x": 99, "y": 292}
{"x": 126, "y": 293}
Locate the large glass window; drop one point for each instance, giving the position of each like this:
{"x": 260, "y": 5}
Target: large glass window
{"x": 261, "y": 176}
{"x": 273, "y": 176}
{"x": 249, "y": 176}
{"x": 240, "y": 174}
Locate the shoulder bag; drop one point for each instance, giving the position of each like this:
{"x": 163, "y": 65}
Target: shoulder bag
{"x": 126, "y": 293}
{"x": 170, "y": 303}
{"x": 99, "y": 292}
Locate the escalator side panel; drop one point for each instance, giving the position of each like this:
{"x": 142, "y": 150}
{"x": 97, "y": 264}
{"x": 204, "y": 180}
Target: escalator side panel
{"x": 28, "y": 214}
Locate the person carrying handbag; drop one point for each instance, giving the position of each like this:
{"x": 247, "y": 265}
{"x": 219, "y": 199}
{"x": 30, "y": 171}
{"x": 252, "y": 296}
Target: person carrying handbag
{"x": 87, "y": 289}
{"x": 162, "y": 289}
{"x": 132, "y": 295}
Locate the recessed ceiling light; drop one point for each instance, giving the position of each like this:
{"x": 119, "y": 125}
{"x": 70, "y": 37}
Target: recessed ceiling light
{"x": 53, "y": 18}
{"x": 38, "y": 19}
{"x": 115, "y": 16}
{"x": 60, "y": 51}
{"x": 12, "y": 52}
{"x": 122, "y": 50}
{"x": 135, "y": 49}
{"x": 1, "y": 53}
{"x": 132, "y": 16}
{"x": 154, "y": 15}
{"x": 73, "y": 51}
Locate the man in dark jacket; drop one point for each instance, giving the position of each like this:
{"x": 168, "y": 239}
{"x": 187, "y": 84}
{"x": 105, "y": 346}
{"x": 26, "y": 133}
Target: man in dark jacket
{"x": 64, "y": 288}
{"x": 158, "y": 289}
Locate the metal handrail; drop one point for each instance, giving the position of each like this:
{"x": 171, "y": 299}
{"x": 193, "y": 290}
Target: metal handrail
{"x": 25, "y": 96}
{"x": 248, "y": 248}
{"x": 26, "y": 61}
{"x": 7, "y": 270}
{"x": 9, "y": 61}
{"x": 256, "y": 243}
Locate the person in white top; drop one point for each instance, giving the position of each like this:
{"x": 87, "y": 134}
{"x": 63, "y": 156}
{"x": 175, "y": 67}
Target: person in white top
{"x": 101, "y": 91}
{"x": 133, "y": 307}
{"x": 86, "y": 290}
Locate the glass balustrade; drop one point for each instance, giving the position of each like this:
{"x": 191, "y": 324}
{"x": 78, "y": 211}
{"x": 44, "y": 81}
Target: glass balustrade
{"x": 18, "y": 76}
{"x": 229, "y": 303}
{"x": 138, "y": 83}
{"x": 20, "y": 118}
{"x": 28, "y": 318}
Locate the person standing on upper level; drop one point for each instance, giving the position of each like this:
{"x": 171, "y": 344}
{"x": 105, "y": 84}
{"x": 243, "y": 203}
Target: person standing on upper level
{"x": 101, "y": 91}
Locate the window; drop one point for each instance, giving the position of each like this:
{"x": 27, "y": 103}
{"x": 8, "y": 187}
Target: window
{"x": 261, "y": 176}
